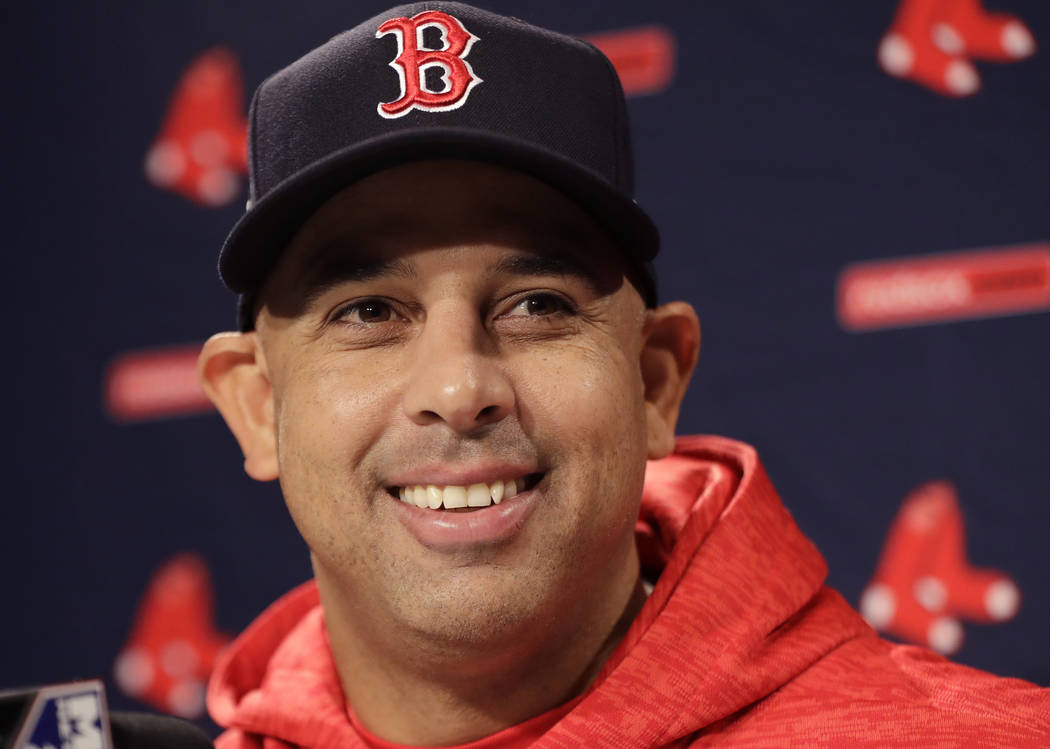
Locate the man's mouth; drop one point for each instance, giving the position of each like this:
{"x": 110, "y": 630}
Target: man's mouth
{"x": 464, "y": 498}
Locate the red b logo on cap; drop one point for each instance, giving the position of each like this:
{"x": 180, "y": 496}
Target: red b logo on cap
{"x": 413, "y": 59}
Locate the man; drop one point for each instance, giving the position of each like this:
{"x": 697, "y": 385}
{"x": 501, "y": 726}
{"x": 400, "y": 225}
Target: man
{"x": 452, "y": 357}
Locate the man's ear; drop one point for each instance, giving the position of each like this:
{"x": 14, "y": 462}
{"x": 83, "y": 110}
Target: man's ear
{"x": 233, "y": 373}
{"x": 670, "y": 347}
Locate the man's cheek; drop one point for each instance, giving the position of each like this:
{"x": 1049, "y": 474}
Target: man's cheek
{"x": 574, "y": 373}
{"x": 337, "y": 415}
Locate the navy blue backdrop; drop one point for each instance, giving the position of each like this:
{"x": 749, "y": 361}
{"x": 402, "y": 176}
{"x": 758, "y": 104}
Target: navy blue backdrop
{"x": 778, "y": 155}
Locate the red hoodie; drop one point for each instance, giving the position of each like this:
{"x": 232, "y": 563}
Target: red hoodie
{"x": 739, "y": 643}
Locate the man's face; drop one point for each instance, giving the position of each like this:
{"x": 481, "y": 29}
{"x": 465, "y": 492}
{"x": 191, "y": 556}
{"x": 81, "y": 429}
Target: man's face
{"x": 449, "y": 324}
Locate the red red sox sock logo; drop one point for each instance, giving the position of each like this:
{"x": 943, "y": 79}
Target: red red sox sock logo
{"x": 932, "y": 42}
{"x": 173, "y": 643}
{"x": 413, "y": 60}
{"x": 924, "y": 584}
{"x": 201, "y": 150}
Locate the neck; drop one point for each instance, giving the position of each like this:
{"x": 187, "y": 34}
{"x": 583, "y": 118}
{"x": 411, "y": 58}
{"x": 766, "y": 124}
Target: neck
{"x": 409, "y": 690}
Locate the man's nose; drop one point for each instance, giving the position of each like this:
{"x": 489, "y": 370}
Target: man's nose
{"x": 456, "y": 376}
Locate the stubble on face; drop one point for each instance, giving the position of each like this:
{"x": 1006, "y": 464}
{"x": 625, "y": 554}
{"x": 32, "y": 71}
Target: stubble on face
{"x": 344, "y": 425}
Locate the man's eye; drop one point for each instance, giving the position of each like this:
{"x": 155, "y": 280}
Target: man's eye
{"x": 367, "y": 311}
{"x": 540, "y": 304}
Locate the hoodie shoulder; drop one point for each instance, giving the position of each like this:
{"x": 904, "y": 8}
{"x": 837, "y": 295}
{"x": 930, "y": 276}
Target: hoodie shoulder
{"x": 871, "y": 692}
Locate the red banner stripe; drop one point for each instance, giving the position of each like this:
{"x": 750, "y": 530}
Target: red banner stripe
{"x": 644, "y": 58}
{"x": 154, "y": 384}
{"x": 939, "y": 288}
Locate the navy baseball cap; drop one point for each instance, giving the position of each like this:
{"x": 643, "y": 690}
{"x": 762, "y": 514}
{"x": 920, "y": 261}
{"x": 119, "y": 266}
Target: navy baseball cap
{"x": 435, "y": 80}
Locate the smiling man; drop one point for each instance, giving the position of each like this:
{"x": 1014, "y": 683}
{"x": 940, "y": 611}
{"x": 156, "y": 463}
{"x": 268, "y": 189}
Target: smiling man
{"x": 452, "y": 357}
{"x": 436, "y": 390}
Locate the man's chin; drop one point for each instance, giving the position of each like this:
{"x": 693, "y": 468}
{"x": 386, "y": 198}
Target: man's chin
{"x": 480, "y": 609}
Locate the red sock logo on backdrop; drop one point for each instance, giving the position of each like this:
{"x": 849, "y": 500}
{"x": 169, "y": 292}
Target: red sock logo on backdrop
{"x": 173, "y": 644}
{"x": 202, "y": 146}
{"x": 933, "y": 42}
{"x": 413, "y": 60}
{"x": 924, "y": 584}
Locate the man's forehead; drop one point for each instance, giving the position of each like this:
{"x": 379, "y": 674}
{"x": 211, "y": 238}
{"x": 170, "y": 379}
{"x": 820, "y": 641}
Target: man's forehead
{"x": 344, "y": 262}
{"x": 369, "y": 227}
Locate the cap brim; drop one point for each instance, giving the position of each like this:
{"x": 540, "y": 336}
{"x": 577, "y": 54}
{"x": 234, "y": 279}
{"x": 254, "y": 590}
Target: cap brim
{"x": 261, "y": 235}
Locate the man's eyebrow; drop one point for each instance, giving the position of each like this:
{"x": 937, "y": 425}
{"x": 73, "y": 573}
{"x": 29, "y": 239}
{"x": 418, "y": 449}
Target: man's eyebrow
{"x": 331, "y": 268}
{"x": 543, "y": 265}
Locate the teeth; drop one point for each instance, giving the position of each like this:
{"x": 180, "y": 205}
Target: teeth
{"x": 478, "y": 495}
{"x": 455, "y": 497}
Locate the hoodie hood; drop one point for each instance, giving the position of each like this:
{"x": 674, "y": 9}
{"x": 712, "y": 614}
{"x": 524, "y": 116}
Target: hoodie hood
{"x": 738, "y": 609}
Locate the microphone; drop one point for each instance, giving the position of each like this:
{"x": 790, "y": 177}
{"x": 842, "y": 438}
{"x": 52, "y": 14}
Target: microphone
{"x": 150, "y": 731}
{"x": 76, "y": 716}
